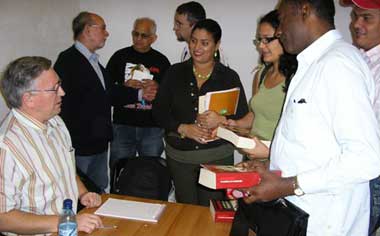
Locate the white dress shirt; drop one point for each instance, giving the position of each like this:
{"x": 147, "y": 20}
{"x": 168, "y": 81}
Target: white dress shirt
{"x": 93, "y": 58}
{"x": 328, "y": 136}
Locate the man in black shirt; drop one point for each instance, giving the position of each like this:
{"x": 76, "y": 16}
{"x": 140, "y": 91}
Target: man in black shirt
{"x": 134, "y": 128}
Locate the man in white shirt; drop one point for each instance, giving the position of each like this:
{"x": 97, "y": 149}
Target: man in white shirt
{"x": 37, "y": 165}
{"x": 365, "y": 31}
{"x": 327, "y": 142}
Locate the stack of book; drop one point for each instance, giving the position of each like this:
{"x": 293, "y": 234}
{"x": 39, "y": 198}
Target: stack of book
{"x": 223, "y": 210}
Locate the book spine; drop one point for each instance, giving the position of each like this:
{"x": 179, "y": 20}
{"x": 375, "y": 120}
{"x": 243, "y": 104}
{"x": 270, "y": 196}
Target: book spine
{"x": 223, "y": 211}
{"x": 237, "y": 180}
{"x": 220, "y": 217}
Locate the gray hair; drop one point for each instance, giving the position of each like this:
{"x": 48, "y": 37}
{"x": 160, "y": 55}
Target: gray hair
{"x": 19, "y": 77}
{"x": 153, "y": 28}
{"x": 80, "y": 21}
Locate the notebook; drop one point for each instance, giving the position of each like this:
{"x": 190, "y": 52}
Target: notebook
{"x": 133, "y": 210}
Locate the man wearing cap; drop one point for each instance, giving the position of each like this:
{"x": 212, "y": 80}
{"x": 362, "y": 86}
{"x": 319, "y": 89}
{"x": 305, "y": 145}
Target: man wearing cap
{"x": 365, "y": 32}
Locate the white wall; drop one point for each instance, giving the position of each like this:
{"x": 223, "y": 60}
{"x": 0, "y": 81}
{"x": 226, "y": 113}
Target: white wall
{"x": 34, "y": 28}
{"x": 43, "y": 27}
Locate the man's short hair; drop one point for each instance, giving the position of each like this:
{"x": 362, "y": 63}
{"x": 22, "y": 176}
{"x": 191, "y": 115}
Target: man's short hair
{"x": 153, "y": 29}
{"x": 80, "y": 21}
{"x": 193, "y": 10}
{"x": 19, "y": 77}
{"x": 324, "y": 9}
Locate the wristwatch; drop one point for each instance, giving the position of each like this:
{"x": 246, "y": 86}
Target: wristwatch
{"x": 297, "y": 189}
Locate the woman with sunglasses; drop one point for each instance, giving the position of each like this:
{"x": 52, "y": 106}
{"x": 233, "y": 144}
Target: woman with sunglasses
{"x": 269, "y": 86}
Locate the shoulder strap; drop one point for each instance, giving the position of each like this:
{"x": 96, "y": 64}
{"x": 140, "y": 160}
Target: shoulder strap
{"x": 262, "y": 74}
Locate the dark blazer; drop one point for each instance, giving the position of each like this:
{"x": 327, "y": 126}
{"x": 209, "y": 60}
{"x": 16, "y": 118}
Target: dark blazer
{"x": 86, "y": 107}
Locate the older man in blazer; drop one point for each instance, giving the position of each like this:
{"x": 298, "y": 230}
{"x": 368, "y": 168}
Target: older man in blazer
{"x": 86, "y": 108}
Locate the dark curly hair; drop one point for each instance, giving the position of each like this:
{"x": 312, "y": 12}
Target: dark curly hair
{"x": 288, "y": 62}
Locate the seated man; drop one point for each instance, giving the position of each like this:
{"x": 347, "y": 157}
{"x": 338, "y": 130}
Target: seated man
{"x": 37, "y": 165}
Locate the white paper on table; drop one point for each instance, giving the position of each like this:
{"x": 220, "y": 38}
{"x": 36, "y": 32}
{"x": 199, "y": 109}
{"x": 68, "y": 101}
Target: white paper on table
{"x": 133, "y": 210}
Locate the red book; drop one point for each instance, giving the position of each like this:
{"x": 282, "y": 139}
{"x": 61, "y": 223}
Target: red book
{"x": 228, "y": 176}
{"x": 223, "y": 210}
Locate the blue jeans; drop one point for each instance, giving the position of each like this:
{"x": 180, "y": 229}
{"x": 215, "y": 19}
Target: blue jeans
{"x": 374, "y": 186}
{"x": 95, "y": 167}
{"x": 131, "y": 140}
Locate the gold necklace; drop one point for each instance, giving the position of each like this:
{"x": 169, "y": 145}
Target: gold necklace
{"x": 199, "y": 76}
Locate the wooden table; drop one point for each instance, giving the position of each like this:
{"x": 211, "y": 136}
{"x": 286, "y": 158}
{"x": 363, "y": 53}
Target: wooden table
{"x": 177, "y": 220}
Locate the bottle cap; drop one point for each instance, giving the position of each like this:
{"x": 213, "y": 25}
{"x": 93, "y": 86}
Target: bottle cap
{"x": 67, "y": 204}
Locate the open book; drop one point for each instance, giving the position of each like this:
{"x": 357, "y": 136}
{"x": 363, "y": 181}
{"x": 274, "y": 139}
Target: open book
{"x": 131, "y": 210}
{"x": 224, "y": 102}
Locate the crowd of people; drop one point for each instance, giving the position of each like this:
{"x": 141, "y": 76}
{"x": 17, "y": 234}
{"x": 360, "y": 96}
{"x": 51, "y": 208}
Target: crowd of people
{"x": 315, "y": 96}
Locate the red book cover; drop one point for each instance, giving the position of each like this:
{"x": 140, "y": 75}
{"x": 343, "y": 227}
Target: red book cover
{"x": 223, "y": 210}
{"x": 228, "y": 176}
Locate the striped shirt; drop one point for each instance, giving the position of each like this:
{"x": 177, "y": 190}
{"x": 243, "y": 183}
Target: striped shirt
{"x": 37, "y": 165}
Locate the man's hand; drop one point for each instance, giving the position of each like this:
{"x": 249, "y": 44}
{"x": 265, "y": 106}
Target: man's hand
{"x": 90, "y": 199}
{"x": 88, "y": 222}
{"x": 271, "y": 187}
{"x": 150, "y": 88}
{"x": 133, "y": 83}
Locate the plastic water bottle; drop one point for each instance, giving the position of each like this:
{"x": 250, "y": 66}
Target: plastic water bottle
{"x": 67, "y": 225}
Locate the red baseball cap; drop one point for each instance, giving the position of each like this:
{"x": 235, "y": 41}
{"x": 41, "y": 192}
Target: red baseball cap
{"x": 364, "y": 4}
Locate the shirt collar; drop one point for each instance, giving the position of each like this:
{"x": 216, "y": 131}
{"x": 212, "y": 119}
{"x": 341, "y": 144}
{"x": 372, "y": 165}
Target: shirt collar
{"x": 29, "y": 121}
{"x": 89, "y": 55}
{"x": 373, "y": 53}
{"x": 315, "y": 50}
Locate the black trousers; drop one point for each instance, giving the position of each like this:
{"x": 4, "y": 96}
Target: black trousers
{"x": 185, "y": 177}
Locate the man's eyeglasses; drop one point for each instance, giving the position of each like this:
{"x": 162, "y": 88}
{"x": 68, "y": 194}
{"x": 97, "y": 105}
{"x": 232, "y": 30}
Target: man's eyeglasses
{"x": 53, "y": 90}
{"x": 264, "y": 40}
{"x": 178, "y": 24}
{"x": 143, "y": 35}
{"x": 102, "y": 27}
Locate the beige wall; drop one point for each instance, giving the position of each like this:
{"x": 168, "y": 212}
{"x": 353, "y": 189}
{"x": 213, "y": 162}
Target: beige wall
{"x": 34, "y": 27}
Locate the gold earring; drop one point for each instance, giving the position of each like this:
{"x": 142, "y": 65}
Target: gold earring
{"x": 215, "y": 54}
